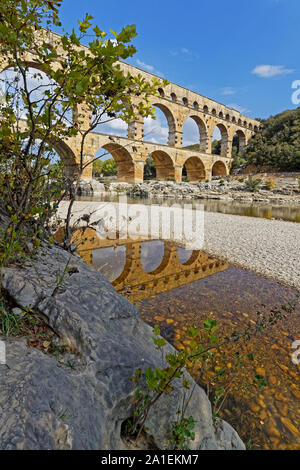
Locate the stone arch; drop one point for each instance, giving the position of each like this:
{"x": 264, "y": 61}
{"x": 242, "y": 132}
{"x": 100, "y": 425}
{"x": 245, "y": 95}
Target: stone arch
{"x": 219, "y": 169}
{"x": 255, "y": 128}
{"x": 171, "y": 122}
{"x": 196, "y": 105}
{"x": 224, "y": 138}
{"x": 221, "y": 115}
{"x": 203, "y": 136}
{"x": 195, "y": 169}
{"x": 227, "y": 117}
{"x": 167, "y": 259}
{"x": 164, "y": 165}
{"x": 68, "y": 157}
{"x": 240, "y": 122}
{"x": 250, "y": 126}
{"x": 151, "y": 255}
{"x": 173, "y": 97}
{"x": 213, "y": 112}
{"x": 205, "y": 109}
{"x": 161, "y": 92}
{"x": 185, "y": 101}
{"x": 193, "y": 256}
{"x": 124, "y": 162}
{"x": 242, "y": 140}
{"x": 233, "y": 119}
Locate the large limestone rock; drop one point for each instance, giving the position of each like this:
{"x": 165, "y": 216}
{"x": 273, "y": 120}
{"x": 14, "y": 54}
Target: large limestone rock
{"x": 90, "y": 187}
{"x": 44, "y": 405}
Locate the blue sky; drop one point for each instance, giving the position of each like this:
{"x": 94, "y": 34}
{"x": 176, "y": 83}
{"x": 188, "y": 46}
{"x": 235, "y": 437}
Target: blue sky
{"x": 242, "y": 53}
{"x": 211, "y": 47}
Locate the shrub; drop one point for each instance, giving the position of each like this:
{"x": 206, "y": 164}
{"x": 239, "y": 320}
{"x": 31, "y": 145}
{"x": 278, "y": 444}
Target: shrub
{"x": 253, "y": 183}
{"x": 270, "y": 183}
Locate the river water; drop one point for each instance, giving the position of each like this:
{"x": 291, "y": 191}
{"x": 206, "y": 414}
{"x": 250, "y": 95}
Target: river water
{"x": 290, "y": 212}
{"x": 176, "y": 288}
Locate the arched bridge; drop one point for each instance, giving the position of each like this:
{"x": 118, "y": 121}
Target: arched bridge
{"x": 178, "y": 104}
{"x": 137, "y": 284}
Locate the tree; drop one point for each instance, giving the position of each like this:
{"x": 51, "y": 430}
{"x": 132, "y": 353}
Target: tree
{"x": 277, "y": 142}
{"x": 149, "y": 168}
{"x": 216, "y": 147}
{"x": 37, "y": 116}
{"x": 109, "y": 167}
{"x": 97, "y": 167}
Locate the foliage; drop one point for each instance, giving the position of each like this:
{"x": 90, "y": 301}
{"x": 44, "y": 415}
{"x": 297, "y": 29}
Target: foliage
{"x": 237, "y": 162}
{"x": 207, "y": 350}
{"x": 47, "y": 105}
{"x": 182, "y": 432}
{"x": 109, "y": 167}
{"x": 97, "y": 168}
{"x": 149, "y": 168}
{"x": 216, "y": 147}
{"x": 270, "y": 183}
{"x": 277, "y": 143}
{"x": 253, "y": 183}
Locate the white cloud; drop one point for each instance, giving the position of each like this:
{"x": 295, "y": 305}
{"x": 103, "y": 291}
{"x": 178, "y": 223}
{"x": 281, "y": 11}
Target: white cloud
{"x": 228, "y": 90}
{"x": 156, "y": 130}
{"x": 116, "y": 127}
{"x": 190, "y": 134}
{"x": 184, "y": 51}
{"x": 239, "y": 108}
{"x": 269, "y": 71}
{"x": 148, "y": 67}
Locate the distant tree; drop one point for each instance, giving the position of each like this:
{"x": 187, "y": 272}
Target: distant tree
{"x": 109, "y": 167}
{"x": 149, "y": 168}
{"x": 216, "y": 147}
{"x": 97, "y": 168}
{"x": 277, "y": 143}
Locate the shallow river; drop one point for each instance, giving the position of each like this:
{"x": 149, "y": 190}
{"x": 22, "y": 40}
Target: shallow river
{"x": 175, "y": 288}
{"x": 289, "y": 212}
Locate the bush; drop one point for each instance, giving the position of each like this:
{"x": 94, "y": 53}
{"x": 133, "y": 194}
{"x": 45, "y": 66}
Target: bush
{"x": 252, "y": 183}
{"x": 109, "y": 167}
{"x": 270, "y": 184}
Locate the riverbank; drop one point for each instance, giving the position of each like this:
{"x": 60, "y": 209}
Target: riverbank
{"x": 78, "y": 397}
{"x": 269, "y": 189}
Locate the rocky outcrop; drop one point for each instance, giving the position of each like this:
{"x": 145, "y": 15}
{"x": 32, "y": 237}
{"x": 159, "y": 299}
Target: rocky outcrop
{"x": 47, "y": 405}
{"x": 224, "y": 189}
{"x": 90, "y": 187}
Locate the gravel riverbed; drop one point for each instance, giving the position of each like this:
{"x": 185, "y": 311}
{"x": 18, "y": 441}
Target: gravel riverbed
{"x": 268, "y": 247}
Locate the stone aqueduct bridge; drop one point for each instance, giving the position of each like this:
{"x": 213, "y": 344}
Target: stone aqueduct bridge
{"x": 134, "y": 282}
{"x": 178, "y": 104}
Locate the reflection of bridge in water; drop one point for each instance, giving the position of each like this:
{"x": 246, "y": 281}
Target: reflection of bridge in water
{"x": 137, "y": 284}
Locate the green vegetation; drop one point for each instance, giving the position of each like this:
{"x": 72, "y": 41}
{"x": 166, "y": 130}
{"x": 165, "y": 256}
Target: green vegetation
{"x": 105, "y": 168}
{"x": 149, "y": 169}
{"x": 51, "y": 101}
{"x": 270, "y": 183}
{"x": 253, "y": 183}
{"x": 217, "y": 360}
{"x": 277, "y": 143}
{"x": 97, "y": 168}
{"x": 109, "y": 167}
